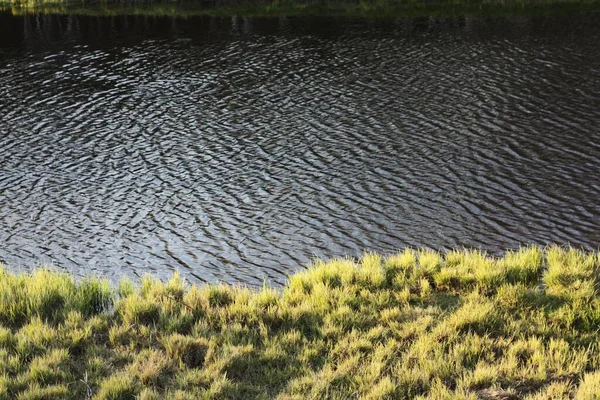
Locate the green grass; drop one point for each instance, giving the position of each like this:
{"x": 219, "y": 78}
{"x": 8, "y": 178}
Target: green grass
{"x": 272, "y": 8}
{"x": 417, "y": 324}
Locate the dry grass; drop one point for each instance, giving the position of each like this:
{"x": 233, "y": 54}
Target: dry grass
{"x": 417, "y": 324}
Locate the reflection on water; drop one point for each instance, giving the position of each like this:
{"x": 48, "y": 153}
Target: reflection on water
{"x": 238, "y": 149}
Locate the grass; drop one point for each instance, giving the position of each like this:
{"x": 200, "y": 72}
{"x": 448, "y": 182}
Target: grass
{"x": 273, "y": 8}
{"x": 417, "y": 324}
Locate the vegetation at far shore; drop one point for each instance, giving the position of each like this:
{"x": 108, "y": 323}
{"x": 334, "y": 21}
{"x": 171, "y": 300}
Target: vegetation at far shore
{"x": 417, "y": 324}
{"x": 267, "y": 8}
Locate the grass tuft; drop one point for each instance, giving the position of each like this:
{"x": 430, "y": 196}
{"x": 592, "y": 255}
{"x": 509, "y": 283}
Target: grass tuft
{"x": 187, "y": 350}
{"x": 416, "y": 324}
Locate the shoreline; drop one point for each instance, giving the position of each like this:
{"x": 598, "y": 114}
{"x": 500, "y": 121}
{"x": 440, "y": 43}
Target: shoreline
{"x": 357, "y": 9}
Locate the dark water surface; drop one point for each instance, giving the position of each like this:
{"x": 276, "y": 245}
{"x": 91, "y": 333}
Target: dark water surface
{"x": 238, "y": 149}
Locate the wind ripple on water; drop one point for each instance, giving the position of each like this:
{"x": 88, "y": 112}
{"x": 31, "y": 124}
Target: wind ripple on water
{"x": 242, "y": 153}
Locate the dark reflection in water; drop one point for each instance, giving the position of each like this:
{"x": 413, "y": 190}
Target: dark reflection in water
{"x": 237, "y": 149}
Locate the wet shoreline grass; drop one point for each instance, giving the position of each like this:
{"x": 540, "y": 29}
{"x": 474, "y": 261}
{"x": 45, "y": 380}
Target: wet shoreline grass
{"x": 416, "y": 324}
{"x": 276, "y": 8}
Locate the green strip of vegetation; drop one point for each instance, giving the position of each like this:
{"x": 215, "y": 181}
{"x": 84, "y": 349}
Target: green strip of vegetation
{"x": 262, "y": 8}
{"x": 416, "y": 324}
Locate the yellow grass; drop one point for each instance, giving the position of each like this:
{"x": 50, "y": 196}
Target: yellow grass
{"x": 417, "y": 324}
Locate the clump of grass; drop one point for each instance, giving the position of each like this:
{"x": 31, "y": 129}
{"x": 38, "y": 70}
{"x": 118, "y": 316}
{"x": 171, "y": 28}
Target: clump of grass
{"x": 52, "y": 367}
{"x": 119, "y": 386}
{"x": 589, "y": 389}
{"x": 37, "y": 392}
{"x": 190, "y": 351}
{"x": 151, "y": 367}
{"x": 416, "y": 324}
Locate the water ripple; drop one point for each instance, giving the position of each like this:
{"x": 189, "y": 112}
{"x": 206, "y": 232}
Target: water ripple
{"x": 239, "y": 150}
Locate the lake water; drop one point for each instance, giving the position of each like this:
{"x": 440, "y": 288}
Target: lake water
{"x": 238, "y": 149}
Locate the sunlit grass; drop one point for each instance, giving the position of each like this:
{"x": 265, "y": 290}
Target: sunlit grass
{"x": 416, "y": 324}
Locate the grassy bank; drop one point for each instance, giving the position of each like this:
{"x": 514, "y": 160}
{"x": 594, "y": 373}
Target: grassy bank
{"x": 413, "y": 325}
{"x": 272, "y": 8}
